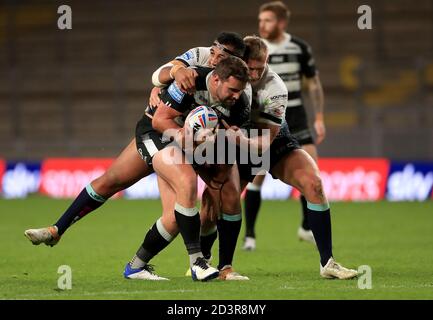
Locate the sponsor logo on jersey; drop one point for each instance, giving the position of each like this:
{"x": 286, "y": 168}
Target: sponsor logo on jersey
{"x": 175, "y": 92}
{"x": 186, "y": 56}
{"x": 280, "y": 96}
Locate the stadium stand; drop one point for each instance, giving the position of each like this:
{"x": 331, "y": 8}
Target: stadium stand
{"x": 80, "y": 92}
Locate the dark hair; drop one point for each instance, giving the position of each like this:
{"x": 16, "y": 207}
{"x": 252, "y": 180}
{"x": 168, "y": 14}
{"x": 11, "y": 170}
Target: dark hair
{"x": 232, "y": 67}
{"x": 232, "y": 39}
{"x": 256, "y": 48}
{"x": 278, "y": 8}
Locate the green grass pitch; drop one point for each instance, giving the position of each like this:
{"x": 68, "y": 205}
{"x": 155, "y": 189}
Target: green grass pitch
{"x": 394, "y": 239}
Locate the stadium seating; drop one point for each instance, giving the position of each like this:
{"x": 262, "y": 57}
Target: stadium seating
{"x": 80, "y": 92}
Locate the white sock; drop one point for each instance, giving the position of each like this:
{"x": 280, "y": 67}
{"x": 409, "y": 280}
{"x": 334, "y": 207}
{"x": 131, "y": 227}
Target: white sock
{"x": 193, "y": 257}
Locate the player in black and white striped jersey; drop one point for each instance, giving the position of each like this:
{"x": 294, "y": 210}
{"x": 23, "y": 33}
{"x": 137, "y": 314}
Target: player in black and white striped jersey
{"x": 287, "y": 162}
{"x": 291, "y": 58}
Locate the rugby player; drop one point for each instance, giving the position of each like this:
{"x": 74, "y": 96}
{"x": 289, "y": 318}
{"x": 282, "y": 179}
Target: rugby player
{"x": 226, "y": 85}
{"x": 226, "y": 44}
{"x": 288, "y": 162}
{"x": 291, "y": 58}
{"x": 127, "y": 169}
{"x": 231, "y": 105}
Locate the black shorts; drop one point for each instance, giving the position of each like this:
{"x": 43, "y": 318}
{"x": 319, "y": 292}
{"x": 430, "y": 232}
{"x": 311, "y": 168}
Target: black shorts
{"x": 282, "y": 146}
{"x": 297, "y": 120}
{"x": 148, "y": 140}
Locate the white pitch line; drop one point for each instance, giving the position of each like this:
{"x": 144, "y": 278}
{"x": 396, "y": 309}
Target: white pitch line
{"x": 68, "y": 293}
{"x": 383, "y": 286}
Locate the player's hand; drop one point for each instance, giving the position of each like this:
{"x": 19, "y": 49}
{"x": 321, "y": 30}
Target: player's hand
{"x": 185, "y": 78}
{"x": 319, "y": 126}
{"x": 154, "y": 99}
{"x": 233, "y": 133}
{"x": 207, "y": 136}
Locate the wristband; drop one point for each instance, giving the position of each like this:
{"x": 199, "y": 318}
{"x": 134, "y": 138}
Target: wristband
{"x": 174, "y": 69}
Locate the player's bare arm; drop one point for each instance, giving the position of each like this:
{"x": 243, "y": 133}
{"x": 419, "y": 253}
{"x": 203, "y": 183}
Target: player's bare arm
{"x": 165, "y": 74}
{"x": 176, "y": 70}
{"x": 164, "y": 116}
{"x": 315, "y": 91}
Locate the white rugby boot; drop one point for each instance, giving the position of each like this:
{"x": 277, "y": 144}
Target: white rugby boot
{"x": 202, "y": 271}
{"x": 48, "y": 235}
{"x": 144, "y": 273}
{"x": 333, "y": 269}
{"x": 188, "y": 272}
{"x": 306, "y": 235}
{"x": 249, "y": 244}
{"x": 228, "y": 274}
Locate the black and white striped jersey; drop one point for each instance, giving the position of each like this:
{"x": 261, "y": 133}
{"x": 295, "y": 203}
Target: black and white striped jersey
{"x": 292, "y": 59}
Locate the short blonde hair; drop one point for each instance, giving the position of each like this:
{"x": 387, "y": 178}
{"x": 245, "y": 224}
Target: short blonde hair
{"x": 256, "y": 48}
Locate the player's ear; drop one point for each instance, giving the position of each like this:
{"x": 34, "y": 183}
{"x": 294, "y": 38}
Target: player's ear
{"x": 283, "y": 24}
{"x": 215, "y": 79}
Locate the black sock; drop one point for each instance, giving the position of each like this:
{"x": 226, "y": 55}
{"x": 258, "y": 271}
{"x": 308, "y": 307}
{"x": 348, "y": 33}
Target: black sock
{"x": 305, "y": 224}
{"x": 252, "y": 202}
{"x": 229, "y": 227}
{"x": 87, "y": 201}
{"x": 319, "y": 217}
{"x": 206, "y": 243}
{"x": 156, "y": 239}
{"x": 188, "y": 221}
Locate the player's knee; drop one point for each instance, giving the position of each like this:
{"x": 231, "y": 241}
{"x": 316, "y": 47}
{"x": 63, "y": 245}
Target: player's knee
{"x": 106, "y": 185}
{"x": 209, "y": 208}
{"x": 312, "y": 187}
{"x": 187, "y": 185}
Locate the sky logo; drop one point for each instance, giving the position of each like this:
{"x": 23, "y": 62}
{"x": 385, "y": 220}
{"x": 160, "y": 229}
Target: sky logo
{"x": 410, "y": 181}
{"x": 21, "y": 179}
